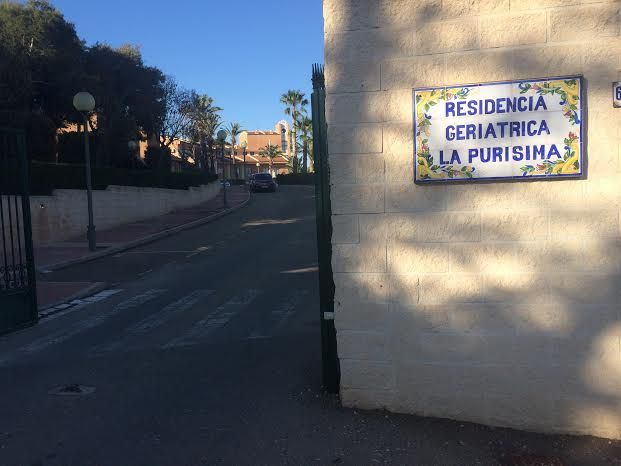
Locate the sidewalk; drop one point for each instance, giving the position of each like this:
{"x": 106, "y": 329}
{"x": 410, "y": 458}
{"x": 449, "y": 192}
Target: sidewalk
{"x": 58, "y": 255}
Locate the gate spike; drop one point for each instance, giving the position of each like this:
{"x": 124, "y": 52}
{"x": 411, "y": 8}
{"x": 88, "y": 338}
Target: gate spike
{"x": 319, "y": 80}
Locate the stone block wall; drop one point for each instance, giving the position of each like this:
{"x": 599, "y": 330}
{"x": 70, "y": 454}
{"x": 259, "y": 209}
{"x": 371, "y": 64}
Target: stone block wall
{"x": 493, "y": 302}
{"x": 63, "y": 215}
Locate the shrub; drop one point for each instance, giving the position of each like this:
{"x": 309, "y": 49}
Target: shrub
{"x": 41, "y": 132}
{"x": 152, "y": 157}
{"x": 158, "y": 158}
{"x": 45, "y": 177}
{"x": 165, "y": 160}
{"x": 71, "y": 147}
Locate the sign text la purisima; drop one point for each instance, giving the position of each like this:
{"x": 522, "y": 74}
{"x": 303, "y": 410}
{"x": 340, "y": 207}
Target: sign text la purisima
{"x": 517, "y": 129}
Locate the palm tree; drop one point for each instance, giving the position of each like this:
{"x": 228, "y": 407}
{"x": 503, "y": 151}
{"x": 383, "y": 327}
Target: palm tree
{"x": 213, "y": 122}
{"x": 271, "y": 152}
{"x": 293, "y": 100}
{"x": 205, "y": 121}
{"x": 233, "y": 130}
{"x": 305, "y": 126}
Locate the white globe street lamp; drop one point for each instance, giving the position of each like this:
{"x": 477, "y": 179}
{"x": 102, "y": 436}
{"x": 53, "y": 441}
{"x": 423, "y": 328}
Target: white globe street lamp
{"x": 244, "y": 146}
{"x": 84, "y": 103}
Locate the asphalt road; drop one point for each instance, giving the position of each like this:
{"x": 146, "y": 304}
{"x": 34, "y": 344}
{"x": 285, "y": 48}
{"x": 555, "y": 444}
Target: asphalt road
{"x": 205, "y": 350}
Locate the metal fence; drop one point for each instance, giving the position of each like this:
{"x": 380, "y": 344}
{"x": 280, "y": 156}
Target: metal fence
{"x": 18, "y": 303}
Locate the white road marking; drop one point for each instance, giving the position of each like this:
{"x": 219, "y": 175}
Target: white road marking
{"x": 139, "y": 300}
{"x": 155, "y": 320}
{"x": 287, "y": 308}
{"x": 83, "y": 325}
{"x": 281, "y": 314}
{"x": 199, "y": 251}
{"x": 157, "y": 252}
{"x": 270, "y": 221}
{"x": 304, "y": 270}
{"x": 168, "y": 312}
{"x": 222, "y": 316}
{"x": 63, "y": 309}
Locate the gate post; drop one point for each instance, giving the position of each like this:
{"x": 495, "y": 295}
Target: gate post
{"x": 330, "y": 363}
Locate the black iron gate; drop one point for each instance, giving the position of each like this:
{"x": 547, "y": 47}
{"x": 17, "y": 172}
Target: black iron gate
{"x": 18, "y": 297}
{"x": 331, "y": 373}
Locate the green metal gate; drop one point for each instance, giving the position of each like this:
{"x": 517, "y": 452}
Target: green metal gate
{"x": 18, "y": 297}
{"x": 330, "y": 363}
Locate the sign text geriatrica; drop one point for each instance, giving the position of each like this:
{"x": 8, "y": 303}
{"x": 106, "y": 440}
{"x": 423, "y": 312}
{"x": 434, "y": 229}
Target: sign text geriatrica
{"x": 515, "y": 129}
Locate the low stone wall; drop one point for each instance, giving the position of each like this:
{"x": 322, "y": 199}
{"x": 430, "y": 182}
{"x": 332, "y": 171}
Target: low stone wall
{"x": 64, "y": 215}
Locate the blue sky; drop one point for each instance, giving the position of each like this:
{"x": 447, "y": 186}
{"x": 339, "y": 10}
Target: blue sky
{"x": 243, "y": 53}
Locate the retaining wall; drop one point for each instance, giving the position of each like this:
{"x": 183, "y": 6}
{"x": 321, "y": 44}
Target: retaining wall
{"x": 64, "y": 214}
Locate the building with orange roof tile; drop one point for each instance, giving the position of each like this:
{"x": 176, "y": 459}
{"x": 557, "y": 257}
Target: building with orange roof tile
{"x": 247, "y": 160}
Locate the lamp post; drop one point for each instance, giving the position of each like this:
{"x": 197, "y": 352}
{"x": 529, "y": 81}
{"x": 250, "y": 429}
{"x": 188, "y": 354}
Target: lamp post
{"x": 244, "y": 146}
{"x": 222, "y": 140}
{"x": 258, "y": 167}
{"x": 85, "y": 103}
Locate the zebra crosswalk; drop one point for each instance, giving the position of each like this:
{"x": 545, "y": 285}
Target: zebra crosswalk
{"x": 153, "y": 319}
{"x": 221, "y": 317}
{"x": 157, "y": 319}
{"x": 66, "y": 332}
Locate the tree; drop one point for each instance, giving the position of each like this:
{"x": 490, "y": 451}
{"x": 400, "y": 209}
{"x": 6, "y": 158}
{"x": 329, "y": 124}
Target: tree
{"x": 176, "y": 117}
{"x": 204, "y": 122}
{"x": 214, "y": 120}
{"x": 44, "y": 63}
{"x": 40, "y": 65}
{"x": 233, "y": 130}
{"x": 271, "y": 152}
{"x": 293, "y": 101}
{"x": 305, "y": 126}
{"x": 129, "y": 99}
{"x": 158, "y": 158}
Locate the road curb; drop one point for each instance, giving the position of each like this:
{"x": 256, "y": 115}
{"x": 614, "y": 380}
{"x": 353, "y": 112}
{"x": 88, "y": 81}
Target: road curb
{"x": 88, "y": 291}
{"x": 141, "y": 241}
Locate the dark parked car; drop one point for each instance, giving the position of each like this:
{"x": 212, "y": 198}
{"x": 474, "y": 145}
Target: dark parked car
{"x": 263, "y": 182}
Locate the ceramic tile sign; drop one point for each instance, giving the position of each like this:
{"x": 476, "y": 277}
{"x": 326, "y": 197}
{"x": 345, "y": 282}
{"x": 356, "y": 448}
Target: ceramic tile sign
{"x": 518, "y": 129}
{"x": 616, "y": 94}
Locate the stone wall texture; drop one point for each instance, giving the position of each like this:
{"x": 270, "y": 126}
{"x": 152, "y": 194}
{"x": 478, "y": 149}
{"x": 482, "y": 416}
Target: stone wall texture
{"x": 496, "y": 303}
{"x": 64, "y": 215}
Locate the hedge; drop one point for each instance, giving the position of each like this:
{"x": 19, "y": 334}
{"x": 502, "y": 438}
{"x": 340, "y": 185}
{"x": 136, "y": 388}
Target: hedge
{"x": 296, "y": 178}
{"x": 45, "y": 177}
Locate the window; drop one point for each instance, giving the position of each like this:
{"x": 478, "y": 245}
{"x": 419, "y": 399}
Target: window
{"x": 251, "y": 153}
